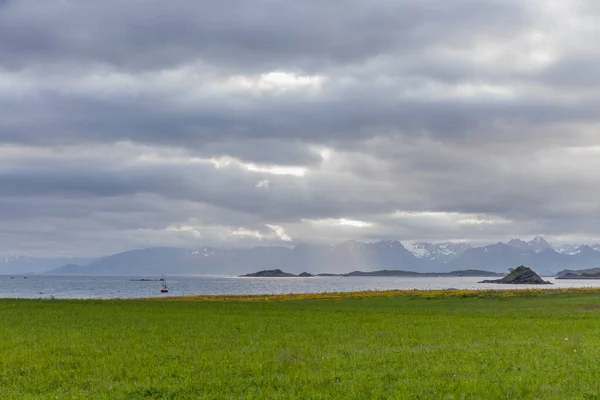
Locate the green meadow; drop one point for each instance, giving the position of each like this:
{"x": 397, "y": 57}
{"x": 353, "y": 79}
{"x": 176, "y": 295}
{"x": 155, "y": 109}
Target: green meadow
{"x": 395, "y": 345}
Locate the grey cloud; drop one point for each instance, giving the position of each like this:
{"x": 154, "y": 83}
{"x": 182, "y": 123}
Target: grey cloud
{"x": 336, "y": 118}
{"x": 341, "y": 114}
{"x": 265, "y": 34}
{"x": 83, "y": 198}
{"x": 457, "y": 180}
{"x": 579, "y": 72}
{"x": 425, "y": 107}
{"x": 45, "y": 225}
{"x": 229, "y": 188}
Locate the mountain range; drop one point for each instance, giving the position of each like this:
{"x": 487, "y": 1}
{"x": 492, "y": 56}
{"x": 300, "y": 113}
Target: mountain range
{"x": 341, "y": 258}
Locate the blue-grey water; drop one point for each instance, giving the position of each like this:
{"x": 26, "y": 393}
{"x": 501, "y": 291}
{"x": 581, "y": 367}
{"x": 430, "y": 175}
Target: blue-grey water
{"x": 100, "y": 287}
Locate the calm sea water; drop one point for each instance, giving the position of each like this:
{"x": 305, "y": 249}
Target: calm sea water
{"x": 100, "y": 287}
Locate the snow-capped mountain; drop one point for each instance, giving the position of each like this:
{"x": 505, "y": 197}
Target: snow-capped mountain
{"x": 537, "y": 244}
{"x": 210, "y": 252}
{"x": 11, "y": 258}
{"x": 570, "y": 249}
{"x": 518, "y": 243}
{"x": 441, "y": 252}
{"x": 573, "y": 249}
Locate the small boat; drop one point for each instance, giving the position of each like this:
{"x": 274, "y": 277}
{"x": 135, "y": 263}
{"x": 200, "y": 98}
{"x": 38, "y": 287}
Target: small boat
{"x": 165, "y": 288}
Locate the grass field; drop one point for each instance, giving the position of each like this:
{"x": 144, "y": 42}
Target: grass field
{"x": 426, "y": 345}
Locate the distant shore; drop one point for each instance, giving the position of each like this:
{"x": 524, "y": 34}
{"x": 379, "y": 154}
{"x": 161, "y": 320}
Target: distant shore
{"x": 417, "y": 293}
{"x": 278, "y": 273}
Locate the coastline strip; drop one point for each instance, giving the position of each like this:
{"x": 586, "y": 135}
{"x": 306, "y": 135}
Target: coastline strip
{"x": 416, "y": 293}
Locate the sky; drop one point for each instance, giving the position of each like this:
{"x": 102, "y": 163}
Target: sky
{"x": 274, "y": 122}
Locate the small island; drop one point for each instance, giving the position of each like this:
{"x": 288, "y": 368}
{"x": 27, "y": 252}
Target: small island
{"x": 275, "y": 273}
{"x": 592, "y": 273}
{"x": 520, "y": 276}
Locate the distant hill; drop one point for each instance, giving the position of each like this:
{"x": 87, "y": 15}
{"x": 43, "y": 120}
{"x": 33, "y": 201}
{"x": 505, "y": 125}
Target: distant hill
{"x": 10, "y": 264}
{"x": 69, "y": 269}
{"x": 592, "y": 273}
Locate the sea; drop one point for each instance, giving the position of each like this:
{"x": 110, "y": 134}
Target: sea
{"x": 121, "y": 287}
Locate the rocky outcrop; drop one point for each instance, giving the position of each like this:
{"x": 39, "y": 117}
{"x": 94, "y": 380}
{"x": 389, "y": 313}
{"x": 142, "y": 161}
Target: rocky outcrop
{"x": 520, "y": 276}
{"x": 269, "y": 273}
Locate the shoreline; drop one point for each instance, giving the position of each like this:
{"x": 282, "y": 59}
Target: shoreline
{"x": 418, "y": 293}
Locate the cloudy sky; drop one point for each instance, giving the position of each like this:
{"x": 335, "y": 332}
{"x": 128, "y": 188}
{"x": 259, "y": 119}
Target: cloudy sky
{"x": 236, "y": 123}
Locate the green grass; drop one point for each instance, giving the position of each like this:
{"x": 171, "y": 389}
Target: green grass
{"x": 357, "y": 347}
